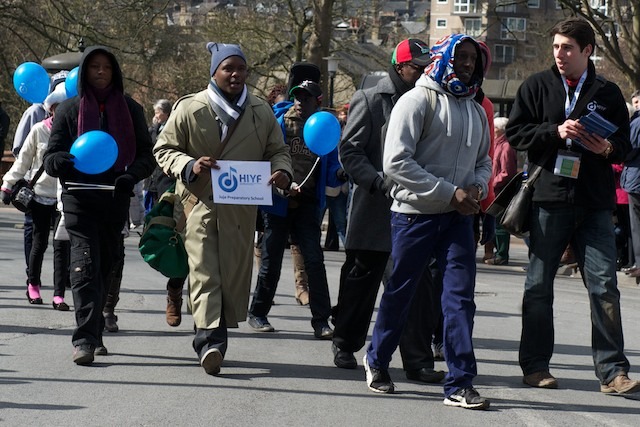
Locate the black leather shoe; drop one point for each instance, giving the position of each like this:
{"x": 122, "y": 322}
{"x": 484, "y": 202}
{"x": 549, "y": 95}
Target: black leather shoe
{"x": 343, "y": 359}
{"x": 110, "y": 324}
{"x": 426, "y": 375}
{"x": 323, "y": 332}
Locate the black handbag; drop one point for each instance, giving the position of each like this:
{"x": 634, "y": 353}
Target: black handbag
{"x": 22, "y": 193}
{"x": 516, "y": 217}
{"x": 502, "y": 200}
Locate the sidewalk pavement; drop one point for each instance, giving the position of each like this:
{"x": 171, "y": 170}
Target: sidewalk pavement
{"x": 286, "y": 378}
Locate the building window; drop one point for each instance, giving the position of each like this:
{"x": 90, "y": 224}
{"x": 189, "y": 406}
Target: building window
{"x": 513, "y": 29}
{"x": 504, "y": 53}
{"x": 441, "y": 23}
{"x": 506, "y": 6}
{"x": 599, "y": 5}
{"x": 464, "y": 6}
{"x": 473, "y": 27}
{"x": 533, "y": 4}
{"x": 443, "y": 1}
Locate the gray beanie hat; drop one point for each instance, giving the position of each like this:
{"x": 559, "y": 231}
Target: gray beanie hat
{"x": 220, "y": 52}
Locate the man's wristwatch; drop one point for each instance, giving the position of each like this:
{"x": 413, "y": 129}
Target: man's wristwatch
{"x": 607, "y": 150}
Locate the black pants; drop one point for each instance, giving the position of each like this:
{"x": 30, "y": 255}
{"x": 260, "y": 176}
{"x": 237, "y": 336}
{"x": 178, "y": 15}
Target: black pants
{"x": 115, "y": 279}
{"x": 360, "y": 279}
{"x": 41, "y": 216}
{"x": 61, "y": 259}
{"x": 207, "y": 339}
{"x": 303, "y": 225}
{"x": 28, "y": 239}
{"x": 95, "y": 235}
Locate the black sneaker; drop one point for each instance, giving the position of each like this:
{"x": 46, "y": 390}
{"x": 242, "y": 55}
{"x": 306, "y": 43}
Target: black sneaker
{"x": 467, "y": 398}
{"x": 343, "y": 359}
{"x": 83, "y": 354}
{"x": 378, "y": 380}
{"x": 260, "y": 324}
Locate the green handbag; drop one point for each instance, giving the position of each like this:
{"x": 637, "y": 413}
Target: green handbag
{"x": 161, "y": 244}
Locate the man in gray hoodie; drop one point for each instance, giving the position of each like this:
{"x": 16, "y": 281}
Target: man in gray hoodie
{"x": 367, "y": 253}
{"x": 438, "y": 161}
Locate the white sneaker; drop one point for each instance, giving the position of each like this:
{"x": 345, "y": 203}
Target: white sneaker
{"x": 467, "y": 398}
{"x": 211, "y": 361}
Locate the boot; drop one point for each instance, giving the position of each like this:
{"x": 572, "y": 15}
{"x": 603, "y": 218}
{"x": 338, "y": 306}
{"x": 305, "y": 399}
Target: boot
{"x": 302, "y": 294}
{"x": 174, "y": 306}
{"x": 302, "y": 289}
{"x": 110, "y": 320}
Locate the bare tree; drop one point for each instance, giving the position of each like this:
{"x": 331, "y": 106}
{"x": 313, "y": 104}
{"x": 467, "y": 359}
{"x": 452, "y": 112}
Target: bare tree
{"x": 617, "y": 25}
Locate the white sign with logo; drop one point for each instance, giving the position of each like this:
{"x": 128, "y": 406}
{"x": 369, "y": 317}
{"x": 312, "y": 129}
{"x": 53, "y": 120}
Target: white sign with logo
{"x": 242, "y": 183}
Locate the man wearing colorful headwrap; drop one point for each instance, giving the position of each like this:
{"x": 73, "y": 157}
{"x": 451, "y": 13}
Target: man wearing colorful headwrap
{"x": 439, "y": 172}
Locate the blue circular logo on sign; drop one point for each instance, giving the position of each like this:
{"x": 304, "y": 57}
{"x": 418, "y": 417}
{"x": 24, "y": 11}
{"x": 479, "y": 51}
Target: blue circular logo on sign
{"x": 228, "y": 181}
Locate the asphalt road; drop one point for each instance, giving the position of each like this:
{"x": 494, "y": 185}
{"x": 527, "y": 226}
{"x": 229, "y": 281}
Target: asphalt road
{"x": 286, "y": 378}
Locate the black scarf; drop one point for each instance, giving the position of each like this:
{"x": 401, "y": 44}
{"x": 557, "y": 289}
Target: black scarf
{"x": 401, "y": 85}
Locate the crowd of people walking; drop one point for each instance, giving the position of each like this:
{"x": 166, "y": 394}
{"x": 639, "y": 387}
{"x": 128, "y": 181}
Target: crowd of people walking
{"x": 424, "y": 157}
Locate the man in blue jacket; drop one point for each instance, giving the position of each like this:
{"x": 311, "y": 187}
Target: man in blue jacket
{"x": 301, "y": 219}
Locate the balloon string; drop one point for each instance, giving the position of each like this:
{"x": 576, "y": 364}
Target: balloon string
{"x": 310, "y": 172}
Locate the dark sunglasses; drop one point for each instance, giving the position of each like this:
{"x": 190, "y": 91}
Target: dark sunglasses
{"x": 414, "y": 66}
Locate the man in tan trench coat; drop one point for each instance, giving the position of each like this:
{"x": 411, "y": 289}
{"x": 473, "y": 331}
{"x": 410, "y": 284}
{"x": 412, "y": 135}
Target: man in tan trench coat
{"x": 222, "y": 122}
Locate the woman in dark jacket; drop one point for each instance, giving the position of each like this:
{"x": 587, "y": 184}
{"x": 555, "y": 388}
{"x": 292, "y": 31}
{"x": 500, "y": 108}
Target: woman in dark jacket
{"x": 94, "y": 216}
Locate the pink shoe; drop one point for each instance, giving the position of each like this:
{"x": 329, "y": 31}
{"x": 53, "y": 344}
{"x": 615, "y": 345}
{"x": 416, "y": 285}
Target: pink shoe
{"x": 33, "y": 294}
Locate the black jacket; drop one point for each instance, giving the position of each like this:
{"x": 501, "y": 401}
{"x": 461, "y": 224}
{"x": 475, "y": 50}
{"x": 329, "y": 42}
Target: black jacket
{"x": 533, "y": 125}
{"x": 65, "y": 131}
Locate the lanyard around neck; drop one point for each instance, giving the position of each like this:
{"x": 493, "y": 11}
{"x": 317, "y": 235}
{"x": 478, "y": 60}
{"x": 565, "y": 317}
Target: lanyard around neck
{"x": 570, "y": 102}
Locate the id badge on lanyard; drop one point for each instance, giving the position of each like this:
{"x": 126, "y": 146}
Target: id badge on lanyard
{"x": 568, "y": 162}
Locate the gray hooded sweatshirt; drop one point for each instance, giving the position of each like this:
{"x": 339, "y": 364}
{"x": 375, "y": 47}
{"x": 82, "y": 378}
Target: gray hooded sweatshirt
{"x": 427, "y": 162}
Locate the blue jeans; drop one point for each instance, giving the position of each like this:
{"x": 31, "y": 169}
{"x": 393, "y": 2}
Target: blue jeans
{"x": 415, "y": 239}
{"x": 593, "y": 241}
{"x": 302, "y": 223}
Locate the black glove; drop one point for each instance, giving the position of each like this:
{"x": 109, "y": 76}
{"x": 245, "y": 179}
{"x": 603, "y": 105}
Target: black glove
{"x": 342, "y": 175}
{"x": 125, "y": 183}
{"x": 384, "y": 186}
{"x": 61, "y": 164}
{"x": 6, "y": 197}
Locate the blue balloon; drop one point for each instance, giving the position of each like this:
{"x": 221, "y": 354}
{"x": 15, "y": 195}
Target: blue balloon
{"x": 95, "y": 152}
{"x": 31, "y": 81}
{"x": 321, "y": 132}
{"x": 71, "y": 83}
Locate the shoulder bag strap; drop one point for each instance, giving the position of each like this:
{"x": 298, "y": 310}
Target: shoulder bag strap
{"x": 192, "y": 200}
{"x": 36, "y": 176}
